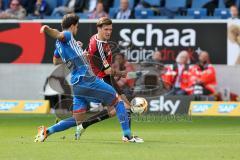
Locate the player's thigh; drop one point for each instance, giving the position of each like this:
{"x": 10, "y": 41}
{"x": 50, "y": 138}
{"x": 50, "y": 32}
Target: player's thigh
{"x": 111, "y": 81}
{"x": 96, "y": 89}
{"x": 105, "y": 92}
{"x": 111, "y": 111}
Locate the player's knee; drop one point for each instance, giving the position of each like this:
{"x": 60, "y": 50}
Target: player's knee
{"x": 79, "y": 117}
{"x": 111, "y": 111}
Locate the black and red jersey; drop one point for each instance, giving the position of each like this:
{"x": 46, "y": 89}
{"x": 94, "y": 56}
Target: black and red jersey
{"x": 100, "y": 56}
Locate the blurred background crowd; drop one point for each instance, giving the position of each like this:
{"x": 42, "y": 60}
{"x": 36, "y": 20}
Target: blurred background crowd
{"x": 120, "y": 9}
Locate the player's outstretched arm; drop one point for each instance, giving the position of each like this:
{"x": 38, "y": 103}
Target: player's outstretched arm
{"x": 54, "y": 33}
{"x": 114, "y": 72}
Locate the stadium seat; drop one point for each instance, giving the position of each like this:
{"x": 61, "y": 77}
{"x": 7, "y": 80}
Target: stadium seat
{"x": 6, "y": 4}
{"x": 52, "y": 4}
{"x": 197, "y": 13}
{"x": 210, "y": 17}
{"x": 153, "y": 2}
{"x": 199, "y": 3}
{"x": 237, "y": 3}
{"x": 157, "y": 17}
{"x": 112, "y": 12}
{"x": 174, "y": 7}
{"x": 52, "y": 17}
{"x": 224, "y": 13}
{"x": 221, "y": 4}
{"x": 183, "y": 17}
{"x": 116, "y": 3}
{"x": 175, "y": 4}
{"x": 61, "y": 2}
{"x": 31, "y": 17}
{"x": 83, "y": 15}
{"x": 143, "y": 13}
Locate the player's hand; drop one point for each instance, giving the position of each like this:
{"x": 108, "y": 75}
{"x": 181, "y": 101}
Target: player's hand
{"x": 123, "y": 74}
{"x": 43, "y": 28}
{"x": 198, "y": 81}
{"x": 4, "y": 15}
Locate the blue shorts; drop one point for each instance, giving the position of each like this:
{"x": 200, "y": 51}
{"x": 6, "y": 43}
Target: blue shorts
{"x": 92, "y": 89}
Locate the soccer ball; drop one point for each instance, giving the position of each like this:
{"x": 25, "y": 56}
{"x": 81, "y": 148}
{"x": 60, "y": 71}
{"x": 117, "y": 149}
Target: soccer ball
{"x": 139, "y": 105}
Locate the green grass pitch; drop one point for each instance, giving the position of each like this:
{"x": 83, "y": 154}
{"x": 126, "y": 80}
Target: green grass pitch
{"x": 198, "y": 139}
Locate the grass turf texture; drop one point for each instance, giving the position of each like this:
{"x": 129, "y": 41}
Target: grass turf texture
{"x": 202, "y": 138}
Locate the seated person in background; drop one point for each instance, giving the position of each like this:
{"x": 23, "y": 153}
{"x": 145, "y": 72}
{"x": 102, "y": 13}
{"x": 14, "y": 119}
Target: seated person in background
{"x": 142, "y": 4}
{"x": 41, "y": 8}
{"x": 233, "y": 44}
{"x": 1, "y": 6}
{"x": 234, "y": 12}
{"x": 125, "y": 83}
{"x": 203, "y": 74}
{"x": 28, "y": 5}
{"x": 124, "y": 12}
{"x": 157, "y": 60}
{"x": 70, "y": 7}
{"x": 107, "y": 4}
{"x": 98, "y": 12}
{"x": 16, "y": 11}
{"x": 210, "y": 6}
{"x": 176, "y": 77}
{"x": 157, "y": 56}
{"x": 90, "y": 5}
{"x": 229, "y": 3}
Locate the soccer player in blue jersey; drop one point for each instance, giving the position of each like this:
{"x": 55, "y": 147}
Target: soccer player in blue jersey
{"x": 86, "y": 86}
{"x": 100, "y": 57}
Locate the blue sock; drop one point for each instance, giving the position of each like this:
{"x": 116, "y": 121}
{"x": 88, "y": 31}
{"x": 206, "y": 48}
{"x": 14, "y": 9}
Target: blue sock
{"x": 62, "y": 125}
{"x": 123, "y": 118}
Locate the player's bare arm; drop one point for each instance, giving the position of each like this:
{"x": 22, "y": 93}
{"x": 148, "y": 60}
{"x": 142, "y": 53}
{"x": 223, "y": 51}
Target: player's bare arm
{"x": 54, "y": 33}
{"x": 114, "y": 72}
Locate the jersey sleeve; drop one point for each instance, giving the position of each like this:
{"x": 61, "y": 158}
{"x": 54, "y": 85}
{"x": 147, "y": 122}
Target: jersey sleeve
{"x": 56, "y": 54}
{"x": 67, "y": 36}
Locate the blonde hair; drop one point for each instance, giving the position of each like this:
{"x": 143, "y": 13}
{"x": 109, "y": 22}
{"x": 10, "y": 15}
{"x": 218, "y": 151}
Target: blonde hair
{"x": 181, "y": 54}
{"x": 234, "y": 34}
{"x": 103, "y": 21}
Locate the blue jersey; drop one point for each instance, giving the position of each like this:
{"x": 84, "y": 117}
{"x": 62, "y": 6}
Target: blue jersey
{"x": 72, "y": 55}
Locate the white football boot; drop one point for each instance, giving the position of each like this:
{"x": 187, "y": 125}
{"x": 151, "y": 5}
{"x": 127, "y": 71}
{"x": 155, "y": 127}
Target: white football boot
{"x": 41, "y": 135}
{"x": 133, "y": 139}
{"x": 79, "y": 131}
